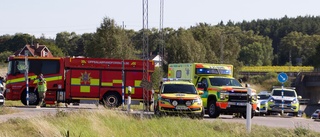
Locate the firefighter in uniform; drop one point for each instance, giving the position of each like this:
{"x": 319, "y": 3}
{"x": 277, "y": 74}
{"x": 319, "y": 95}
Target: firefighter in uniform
{"x": 42, "y": 89}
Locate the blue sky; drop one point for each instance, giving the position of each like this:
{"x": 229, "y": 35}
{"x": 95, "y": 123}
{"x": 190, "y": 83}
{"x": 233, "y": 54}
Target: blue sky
{"x": 50, "y": 17}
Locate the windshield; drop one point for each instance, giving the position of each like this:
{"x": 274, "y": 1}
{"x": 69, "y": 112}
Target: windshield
{"x": 286, "y": 93}
{"x": 179, "y": 88}
{"x": 263, "y": 96}
{"x": 9, "y": 71}
{"x": 224, "y": 82}
{"x": 35, "y": 66}
{"x": 19, "y": 67}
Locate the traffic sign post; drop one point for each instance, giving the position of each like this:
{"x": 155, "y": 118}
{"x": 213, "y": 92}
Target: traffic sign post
{"x": 26, "y": 53}
{"x": 282, "y": 77}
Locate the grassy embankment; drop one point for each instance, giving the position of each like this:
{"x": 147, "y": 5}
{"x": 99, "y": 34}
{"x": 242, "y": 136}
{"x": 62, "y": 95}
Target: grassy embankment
{"x": 110, "y": 123}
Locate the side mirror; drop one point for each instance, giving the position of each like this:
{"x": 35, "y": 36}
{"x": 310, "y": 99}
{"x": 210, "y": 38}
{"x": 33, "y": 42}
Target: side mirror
{"x": 247, "y": 85}
{"x": 201, "y": 85}
{"x": 299, "y": 97}
{"x": 240, "y": 80}
{"x": 200, "y": 92}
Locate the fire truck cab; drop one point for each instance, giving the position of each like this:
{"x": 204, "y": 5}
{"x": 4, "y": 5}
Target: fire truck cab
{"x": 70, "y": 80}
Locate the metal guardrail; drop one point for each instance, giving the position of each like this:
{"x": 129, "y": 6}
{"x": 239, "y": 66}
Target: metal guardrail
{"x": 304, "y": 101}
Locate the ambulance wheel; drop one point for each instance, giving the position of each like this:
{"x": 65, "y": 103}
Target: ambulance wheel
{"x": 33, "y": 98}
{"x": 213, "y": 110}
{"x": 112, "y": 100}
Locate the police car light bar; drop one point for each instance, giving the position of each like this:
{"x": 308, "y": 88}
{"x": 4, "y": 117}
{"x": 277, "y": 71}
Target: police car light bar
{"x": 176, "y": 79}
{"x": 284, "y": 87}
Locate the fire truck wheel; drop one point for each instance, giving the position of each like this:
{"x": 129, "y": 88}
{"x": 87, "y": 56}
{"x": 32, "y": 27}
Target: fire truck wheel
{"x": 112, "y": 100}
{"x": 33, "y": 98}
{"x": 213, "y": 110}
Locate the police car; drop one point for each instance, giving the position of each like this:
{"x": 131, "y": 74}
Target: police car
{"x": 290, "y": 103}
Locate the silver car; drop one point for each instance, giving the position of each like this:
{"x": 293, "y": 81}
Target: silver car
{"x": 315, "y": 114}
{"x": 262, "y": 102}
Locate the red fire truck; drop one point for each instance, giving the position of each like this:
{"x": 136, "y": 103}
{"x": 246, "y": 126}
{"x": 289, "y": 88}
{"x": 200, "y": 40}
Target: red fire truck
{"x": 70, "y": 80}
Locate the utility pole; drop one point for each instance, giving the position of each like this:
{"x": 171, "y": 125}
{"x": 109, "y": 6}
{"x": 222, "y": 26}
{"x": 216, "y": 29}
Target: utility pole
{"x": 161, "y": 46}
{"x": 145, "y": 49}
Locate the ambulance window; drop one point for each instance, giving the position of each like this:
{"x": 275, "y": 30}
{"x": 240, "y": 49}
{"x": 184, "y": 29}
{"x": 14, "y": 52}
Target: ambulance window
{"x": 178, "y": 74}
{"x": 204, "y": 81}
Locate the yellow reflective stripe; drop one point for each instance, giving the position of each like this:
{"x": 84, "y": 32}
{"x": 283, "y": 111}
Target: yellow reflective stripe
{"x": 132, "y": 90}
{"x": 53, "y": 78}
{"x": 75, "y": 81}
{"x": 16, "y": 80}
{"x": 106, "y": 84}
{"x": 84, "y": 88}
{"x": 117, "y": 81}
{"x": 94, "y": 82}
{"x": 137, "y": 83}
{"x": 48, "y": 79}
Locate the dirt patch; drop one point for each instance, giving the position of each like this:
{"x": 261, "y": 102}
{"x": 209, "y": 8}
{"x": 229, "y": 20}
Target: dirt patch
{"x": 3, "y": 71}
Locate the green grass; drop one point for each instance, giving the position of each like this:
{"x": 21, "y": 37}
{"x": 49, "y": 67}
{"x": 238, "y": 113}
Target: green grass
{"x": 112, "y": 123}
{"x": 5, "y": 110}
{"x": 10, "y": 103}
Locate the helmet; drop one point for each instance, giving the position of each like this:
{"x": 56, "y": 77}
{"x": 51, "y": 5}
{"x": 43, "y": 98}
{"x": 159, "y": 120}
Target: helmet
{"x": 40, "y": 76}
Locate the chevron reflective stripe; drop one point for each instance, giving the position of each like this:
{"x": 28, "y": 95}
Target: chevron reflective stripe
{"x": 118, "y": 81}
{"x": 94, "y": 82}
{"x": 77, "y": 81}
{"x": 137, "y": 83}
{"x": 106, "y": 84}
{"x": 115, "y": 81}
{"x": 85, "y": 89}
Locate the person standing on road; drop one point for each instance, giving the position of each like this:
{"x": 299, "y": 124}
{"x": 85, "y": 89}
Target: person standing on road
{"x": 42, "y": 89}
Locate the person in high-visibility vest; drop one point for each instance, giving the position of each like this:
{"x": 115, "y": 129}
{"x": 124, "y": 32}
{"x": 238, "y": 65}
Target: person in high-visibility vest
{"x": 42, "y": 89}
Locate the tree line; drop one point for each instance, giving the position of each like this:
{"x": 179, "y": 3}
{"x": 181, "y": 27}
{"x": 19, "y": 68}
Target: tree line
{"x": 276, "y": 42}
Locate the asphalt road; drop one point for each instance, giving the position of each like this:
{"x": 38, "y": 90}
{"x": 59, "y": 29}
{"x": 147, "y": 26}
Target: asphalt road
{"x": 270, "y": 121}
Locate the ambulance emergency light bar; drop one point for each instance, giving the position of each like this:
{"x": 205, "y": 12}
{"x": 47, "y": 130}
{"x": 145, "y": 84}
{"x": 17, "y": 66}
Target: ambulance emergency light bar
{"x": 213, "y": 71}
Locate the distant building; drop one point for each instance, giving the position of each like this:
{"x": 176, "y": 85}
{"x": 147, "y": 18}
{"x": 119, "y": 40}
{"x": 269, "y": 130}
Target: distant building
{"x": 157, "y": 61}
{"x": 35, "y": 51}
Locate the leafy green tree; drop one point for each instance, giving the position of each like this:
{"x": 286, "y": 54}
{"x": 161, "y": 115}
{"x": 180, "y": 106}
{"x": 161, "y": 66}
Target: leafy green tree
{"x": 68, "y": 43}
{"x": 255, "y": 50}
{"x": 183, "y": 48}
{"x": 4, "y": 55}
{"x": 297, "y": 47}
{"x": 17, "y": 42}
{"x": 314, "y": 59}
{"x": 110, "y": 41}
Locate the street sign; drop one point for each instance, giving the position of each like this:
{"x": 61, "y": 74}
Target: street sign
{"x": 282, "y": 77}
